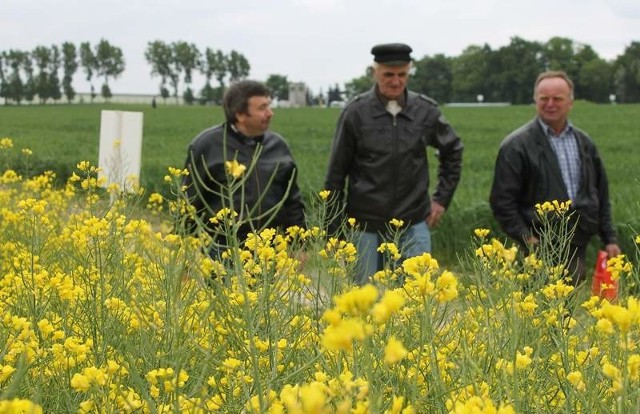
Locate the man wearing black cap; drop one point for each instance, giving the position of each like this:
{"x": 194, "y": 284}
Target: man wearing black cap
{"x": 379, "y": 147}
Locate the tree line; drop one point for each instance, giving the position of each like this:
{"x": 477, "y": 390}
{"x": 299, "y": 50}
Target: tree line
{"x": 172, "y": 62}
{"x": 179, "y": 60}
{"x": 507, "y": 74}
{"x": 25, "y": 75}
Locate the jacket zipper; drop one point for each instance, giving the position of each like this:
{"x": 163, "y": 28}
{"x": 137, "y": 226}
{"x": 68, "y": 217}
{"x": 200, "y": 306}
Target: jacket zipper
{"x": 394, "y": 134}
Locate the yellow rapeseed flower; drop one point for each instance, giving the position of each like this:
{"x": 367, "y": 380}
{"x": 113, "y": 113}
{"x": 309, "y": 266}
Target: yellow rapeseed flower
{"x": 394, "y": 351}
{"x": 234, "y": 168}
{"x": 633, "y": 367}
{"x": 324, "y": 195}
{"x": 576, "y": 379}
{"x": 622, "y": 317}
{"x": 332, "y": 316}
{"x": 605, "y": 326}
{"x": 339, "y": 250}
{"x": 84, "y": 166}
{"x": 396, "y": 223}
{"x": 618, "y": 265}
{"x": 80, "y": 382}
{"x": 5, "y": 372}
{"x": 357, "y": 301}
{"x": 527, "y": 306}
{"x": 557, "y": 290}
{"x": 156, "y": 198}
{"x": 446, "y": 287}
{"x": 178, "y": 172}
{"x": 19, "y": 406}
{"x": 312, "y": 397}
{"x": 481, "y": 233}
{"x": 231, "y": 364}
{"x": 10, "y": 176}
{"x": 391, "y": 249}
{"x": 6, "y": 143}
{"x": 390, "y": 303}
{"x": 223, "y": 215}
{"x": 523, "y": 359}
{"x": 340, "y": 337}
{"x": 555, "y": 206}
{"x": 610, "y": 371}
{"x": 477, "y": 405}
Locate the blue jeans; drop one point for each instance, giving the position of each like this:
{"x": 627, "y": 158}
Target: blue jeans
{"x": 414, "y": 241}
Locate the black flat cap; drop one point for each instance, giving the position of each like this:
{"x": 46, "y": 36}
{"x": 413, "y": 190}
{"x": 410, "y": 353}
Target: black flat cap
{"x": 392, "y": 54}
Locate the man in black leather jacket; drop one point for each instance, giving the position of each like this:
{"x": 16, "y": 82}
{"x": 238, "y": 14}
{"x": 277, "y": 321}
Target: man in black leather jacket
{"x": 379, "y": 147}
{"x": 549, "y": 159}
{"x": 242, "y": 166}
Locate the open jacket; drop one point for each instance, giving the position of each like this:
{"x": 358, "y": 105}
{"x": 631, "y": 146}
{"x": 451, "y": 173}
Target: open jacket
{"x": 383, "y": 158}
{"x": 270, "y": 181}
{"x": 527, "y": 172}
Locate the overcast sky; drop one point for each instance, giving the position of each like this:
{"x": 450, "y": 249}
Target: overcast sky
{"x": 319, "y": 42}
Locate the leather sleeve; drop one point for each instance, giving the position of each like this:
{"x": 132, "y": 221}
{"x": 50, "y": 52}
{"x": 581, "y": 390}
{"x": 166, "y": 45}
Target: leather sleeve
{"x": 510, "y": 170}
{"x": 450, "y": 150}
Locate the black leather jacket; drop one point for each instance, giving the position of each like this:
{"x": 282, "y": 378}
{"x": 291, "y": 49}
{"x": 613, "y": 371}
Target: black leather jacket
{"x": 527, "y": 172}
{"x": 207, "y": 179}
{"x": 384, "y": 158}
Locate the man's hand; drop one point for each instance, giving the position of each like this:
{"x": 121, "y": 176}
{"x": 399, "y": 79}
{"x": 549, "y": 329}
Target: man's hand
{"x": 437, "y": 210}
{"x": 612, "y": 250}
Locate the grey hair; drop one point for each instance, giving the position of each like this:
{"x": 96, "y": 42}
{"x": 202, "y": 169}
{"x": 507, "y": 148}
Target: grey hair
{"x": 553, "y": 74}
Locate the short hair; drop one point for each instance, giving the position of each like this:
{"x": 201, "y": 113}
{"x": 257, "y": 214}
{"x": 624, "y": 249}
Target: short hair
{"x": 553, "y": 74}
{"x": 236, "y": 98}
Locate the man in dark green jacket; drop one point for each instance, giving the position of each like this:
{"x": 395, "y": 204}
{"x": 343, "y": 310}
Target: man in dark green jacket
{"x": 549, "y": 159}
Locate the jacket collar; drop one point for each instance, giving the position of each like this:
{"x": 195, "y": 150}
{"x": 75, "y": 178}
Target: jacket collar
{"x": 236, "y": 134}
{"x": 378, "y": 103}
{"x": 549, "y": 132}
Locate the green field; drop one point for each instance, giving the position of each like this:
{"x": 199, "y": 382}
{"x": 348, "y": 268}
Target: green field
{"x": 62, "y": 135}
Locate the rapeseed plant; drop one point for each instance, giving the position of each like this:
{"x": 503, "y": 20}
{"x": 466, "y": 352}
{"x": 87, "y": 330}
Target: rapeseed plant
{"x": 104, "y": 311}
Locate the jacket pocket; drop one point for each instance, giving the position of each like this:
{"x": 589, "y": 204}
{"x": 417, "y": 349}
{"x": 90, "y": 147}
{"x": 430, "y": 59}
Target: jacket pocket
{"x": 376, "y": 139}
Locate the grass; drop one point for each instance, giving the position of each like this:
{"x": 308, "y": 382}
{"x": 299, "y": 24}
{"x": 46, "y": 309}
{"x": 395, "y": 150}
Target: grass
{"x": 62, "y": 135}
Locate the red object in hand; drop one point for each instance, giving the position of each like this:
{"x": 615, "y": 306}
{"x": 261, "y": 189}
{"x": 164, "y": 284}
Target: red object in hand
{"x": 602, "y": 285}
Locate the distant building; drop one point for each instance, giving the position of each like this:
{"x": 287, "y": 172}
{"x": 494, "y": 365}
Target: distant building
{"x": 119, "y": 98}
{"x": 297, "y": 94}
{"x": 130, "y": 98}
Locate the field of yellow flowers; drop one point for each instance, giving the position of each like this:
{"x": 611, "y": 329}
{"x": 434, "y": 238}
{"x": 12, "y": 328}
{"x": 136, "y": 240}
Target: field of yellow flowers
{"x": 106, "y": 307}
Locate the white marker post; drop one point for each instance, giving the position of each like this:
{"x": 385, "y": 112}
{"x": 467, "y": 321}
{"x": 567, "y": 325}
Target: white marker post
{"x": 120, "y": 149}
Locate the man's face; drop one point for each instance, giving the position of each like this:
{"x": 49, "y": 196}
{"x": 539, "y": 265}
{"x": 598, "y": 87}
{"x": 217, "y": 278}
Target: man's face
{"x": 553, "y": 102}
{"x": 256, "y": 121}
{"x": 391, "y": 80}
